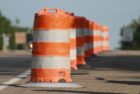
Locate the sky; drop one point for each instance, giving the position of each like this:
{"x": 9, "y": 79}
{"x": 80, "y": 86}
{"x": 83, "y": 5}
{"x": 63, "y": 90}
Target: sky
{"x": 114, "y": 13}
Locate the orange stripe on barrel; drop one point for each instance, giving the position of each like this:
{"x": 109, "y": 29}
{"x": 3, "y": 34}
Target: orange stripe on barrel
{"x": 73, "y": 43}
{"x": 105, "y": 48}
{"x": 95, "y": 38}
{"x": 105, "y": 38}
{"x": 51, "y": 21}
{"x": 51, "y": 49}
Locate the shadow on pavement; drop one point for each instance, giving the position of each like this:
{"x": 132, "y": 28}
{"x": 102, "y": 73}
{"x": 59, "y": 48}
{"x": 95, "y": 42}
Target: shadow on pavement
{"x": 124, "y": 82}
{"x": 78, "y": 92}
{"x": 128, "y": 63}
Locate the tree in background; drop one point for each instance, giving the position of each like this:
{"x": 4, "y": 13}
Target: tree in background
{"x": 135, "y": 44}
{"x": 7, "y": 28}
{"x": 5, "y": 24}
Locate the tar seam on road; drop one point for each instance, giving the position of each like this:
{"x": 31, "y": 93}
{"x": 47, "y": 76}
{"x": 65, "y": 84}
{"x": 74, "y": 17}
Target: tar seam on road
{"x": 14, "y": 80}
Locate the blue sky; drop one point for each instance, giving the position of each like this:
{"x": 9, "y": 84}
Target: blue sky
{"x": 114, "y": 13}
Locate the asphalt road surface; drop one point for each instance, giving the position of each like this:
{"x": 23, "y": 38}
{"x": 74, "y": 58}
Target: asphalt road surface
{"x": 12, "y": 65}
{"x": 116, "y": 72}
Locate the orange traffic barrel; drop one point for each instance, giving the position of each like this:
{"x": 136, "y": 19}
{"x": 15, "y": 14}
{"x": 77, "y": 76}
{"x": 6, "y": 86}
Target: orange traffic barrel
{"x": 100, "y": 37}
{"x": 105, "y": 38}
{"x": 79, "y": 25}
{"x": 51, "y": 47}
{"x": 73, "y": 52}
{"x": 87, "y": 34}
{"x": 96, "y": 38}
{"x": 91, "y": 38}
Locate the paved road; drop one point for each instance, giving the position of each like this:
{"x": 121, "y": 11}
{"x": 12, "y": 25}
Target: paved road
{"x": 108, "y": 73}
{"x": 13, "y": 65}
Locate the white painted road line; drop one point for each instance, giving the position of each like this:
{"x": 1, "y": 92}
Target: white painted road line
{"x": 14, "y": 80}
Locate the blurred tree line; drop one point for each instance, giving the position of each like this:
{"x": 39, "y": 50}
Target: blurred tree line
{"x": 7, "y": 28}
{"x": 135, "y": 43}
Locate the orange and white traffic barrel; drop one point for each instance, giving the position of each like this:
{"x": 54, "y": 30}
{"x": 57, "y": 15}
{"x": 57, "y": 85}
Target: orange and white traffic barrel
{"x": 99, "y": 40}
{"x": 100, "y": 37}
{"x": 88, "y": 41}
{"x": 73, "y": 52}
{"x": 91, "y": 35}
{"x": 51, "y": 47}
{"x": 105, "y": 38}
{"x": 78, "y": 24}
{"x": 90, "y": 38}
{"x": 96, "y": 38}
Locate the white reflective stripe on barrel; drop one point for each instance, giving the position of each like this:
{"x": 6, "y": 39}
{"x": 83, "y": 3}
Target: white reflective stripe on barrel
{"x": 105, "y": 34}
{"x": 88, "y": 46}
{"x": 72, "y": 33}
{"x": 79, "y": 32}
{"x": 72, "y": 54}
{"x": 97, "y": 44}
{"x": 105, "y": 43}
{"x": 50, "y": 62}
{"x": 90, "y": 33}
{"x": 97, "y": 33}
{"x": 51, "y": 36}
{"x": 86, "y": 32}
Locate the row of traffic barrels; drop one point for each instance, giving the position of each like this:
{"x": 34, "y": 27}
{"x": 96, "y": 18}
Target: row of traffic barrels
{"x": 61, "y": 42}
